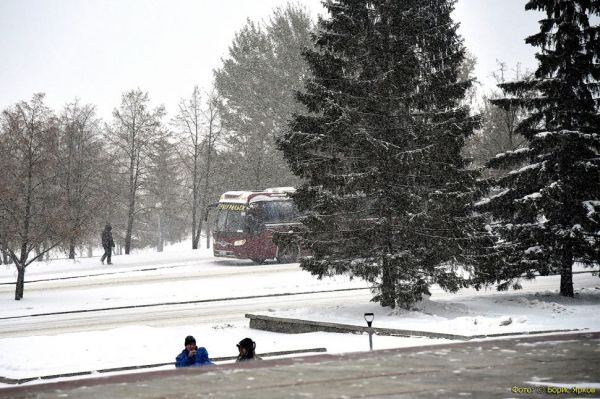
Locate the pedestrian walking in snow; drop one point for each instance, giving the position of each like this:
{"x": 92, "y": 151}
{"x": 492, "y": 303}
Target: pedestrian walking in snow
{"x": 192, "y": 355}
{"x": 246, "y": 348}
{"x": 107, "y": 243}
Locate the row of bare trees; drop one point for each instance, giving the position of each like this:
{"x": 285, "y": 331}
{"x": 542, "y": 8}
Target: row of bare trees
{"x": 65, "y": 175}
{"x": 69, "y": 172}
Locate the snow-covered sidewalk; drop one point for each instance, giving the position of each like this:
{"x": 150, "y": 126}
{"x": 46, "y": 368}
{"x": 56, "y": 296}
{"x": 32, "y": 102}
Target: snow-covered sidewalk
{"x": 471, "y": 313}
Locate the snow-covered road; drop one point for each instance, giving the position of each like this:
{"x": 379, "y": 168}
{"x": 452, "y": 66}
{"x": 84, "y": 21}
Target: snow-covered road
{"x": 127, "y": 286}
{"x": 201, "y": 313}
{"x": 204, "y": 292}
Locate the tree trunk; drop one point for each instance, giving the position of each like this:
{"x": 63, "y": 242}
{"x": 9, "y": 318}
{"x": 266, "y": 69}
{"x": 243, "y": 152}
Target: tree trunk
{"x": 566, "y": 273}
{"x": 90, "y": 251}
{"x": 5, "y": 255}
{"x": 20, "y": 283}
{"x": 160, "y": 243}
{"x": 388, "y": 292}
{"x": 72, "y": 248}
{"x": 200, "y": 220}
{"x": 129, "y": 225}
{"x": 195, "y": 232}
{"x": 20, "y": 263}
{"x": 195, "y": 236}
{"x": 199, "y": 228}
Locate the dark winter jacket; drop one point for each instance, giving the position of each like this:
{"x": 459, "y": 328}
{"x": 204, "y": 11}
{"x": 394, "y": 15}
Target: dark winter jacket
{"x": 107, "y": 239}
{"x": 241, "y": 358}
{"x": 201, "y": 358}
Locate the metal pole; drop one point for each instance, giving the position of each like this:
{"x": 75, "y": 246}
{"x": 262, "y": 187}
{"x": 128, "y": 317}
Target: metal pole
{"x": 369, "y": 317}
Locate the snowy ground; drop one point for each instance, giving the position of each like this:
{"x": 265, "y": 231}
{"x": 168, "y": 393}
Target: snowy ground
{"x": 470, "y": 313}
{"x": 537, "y": 307}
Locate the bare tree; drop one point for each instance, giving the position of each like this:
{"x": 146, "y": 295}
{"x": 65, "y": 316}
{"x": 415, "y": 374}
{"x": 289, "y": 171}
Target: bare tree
{"x": 79, "y": 158}
{"x": 31, "y": 205}
{"x": 135, "y": 127}
{"x": 199, "y": 126}
{"x": 498, "y": 126}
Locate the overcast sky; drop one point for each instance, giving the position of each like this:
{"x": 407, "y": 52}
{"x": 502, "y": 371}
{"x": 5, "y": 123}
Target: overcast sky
{"x": 96, "y": 49}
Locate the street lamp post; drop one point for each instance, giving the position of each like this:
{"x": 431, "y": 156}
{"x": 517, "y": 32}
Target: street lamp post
{"x": 369, "y": 317}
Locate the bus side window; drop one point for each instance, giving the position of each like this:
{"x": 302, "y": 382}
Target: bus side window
{"x": 254, "y": 222}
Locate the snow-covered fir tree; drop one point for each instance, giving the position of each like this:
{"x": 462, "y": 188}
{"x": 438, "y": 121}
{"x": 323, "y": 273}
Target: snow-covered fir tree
{"x": 546, "y": 212}
{"x": 387, "y": 192}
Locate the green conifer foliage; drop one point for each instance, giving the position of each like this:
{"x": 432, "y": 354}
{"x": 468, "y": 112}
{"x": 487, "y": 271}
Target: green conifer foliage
{"x": 546, "y": 213}
{"x": 387, "y": 194}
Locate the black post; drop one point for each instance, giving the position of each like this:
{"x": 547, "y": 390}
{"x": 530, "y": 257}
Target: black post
{"x": 369, "y": 317}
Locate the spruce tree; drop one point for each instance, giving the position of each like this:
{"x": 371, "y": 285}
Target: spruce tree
{"x": 387, "y": 192}
{"x": 546, "y": 212}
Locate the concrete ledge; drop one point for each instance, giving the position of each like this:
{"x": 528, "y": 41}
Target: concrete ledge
{"x": 298, "y": 326}
{"x": 18, "y": 381}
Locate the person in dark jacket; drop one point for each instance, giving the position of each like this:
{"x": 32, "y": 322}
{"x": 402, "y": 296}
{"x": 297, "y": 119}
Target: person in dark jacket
{"x": 107, "y": 243}
{"x": 246, "y": 348}
{"x": 192, "y": 355}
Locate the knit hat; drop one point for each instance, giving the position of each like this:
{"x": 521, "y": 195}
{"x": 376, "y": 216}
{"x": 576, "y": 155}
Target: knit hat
{"x": 247, "y": 344}
{"x": 190, "y": 340}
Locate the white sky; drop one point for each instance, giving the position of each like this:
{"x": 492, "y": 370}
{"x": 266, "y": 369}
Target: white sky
{"x": 96, "y": 49}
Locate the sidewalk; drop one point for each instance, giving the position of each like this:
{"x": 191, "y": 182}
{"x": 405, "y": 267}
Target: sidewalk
{"x": 506, "y": 368}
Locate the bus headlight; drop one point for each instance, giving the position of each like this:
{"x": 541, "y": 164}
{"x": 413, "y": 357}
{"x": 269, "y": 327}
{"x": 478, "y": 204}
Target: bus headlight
{"x": 239, "y": 243}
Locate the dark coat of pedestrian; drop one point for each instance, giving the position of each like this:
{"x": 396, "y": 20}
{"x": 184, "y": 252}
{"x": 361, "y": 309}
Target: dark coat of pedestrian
{"x": 247, "y": 350}
{"x": 192, "y": 355}
{"x": 107, "y": 243}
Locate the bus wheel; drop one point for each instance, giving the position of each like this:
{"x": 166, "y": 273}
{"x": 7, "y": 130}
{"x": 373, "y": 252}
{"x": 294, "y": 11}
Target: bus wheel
{"x": 287, "y": 253}
{"x": 258, "y": 261}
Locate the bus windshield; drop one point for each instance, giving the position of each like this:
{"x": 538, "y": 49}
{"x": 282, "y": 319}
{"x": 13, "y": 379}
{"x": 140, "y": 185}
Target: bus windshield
{"x": 230, "y": 220}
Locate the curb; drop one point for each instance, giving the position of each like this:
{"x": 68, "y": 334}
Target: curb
{"x": 298, "y": 326}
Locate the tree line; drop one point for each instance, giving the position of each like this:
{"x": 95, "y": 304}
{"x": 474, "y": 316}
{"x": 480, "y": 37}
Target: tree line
{"x": 403, "y": 180}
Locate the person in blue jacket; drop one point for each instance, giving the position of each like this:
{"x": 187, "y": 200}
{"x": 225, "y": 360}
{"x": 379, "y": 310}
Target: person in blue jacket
{"x": 192, "y": 355}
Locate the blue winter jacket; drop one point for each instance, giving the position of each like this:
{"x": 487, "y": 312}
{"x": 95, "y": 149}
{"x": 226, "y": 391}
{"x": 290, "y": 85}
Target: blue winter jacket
{"x": 201, "y": 358}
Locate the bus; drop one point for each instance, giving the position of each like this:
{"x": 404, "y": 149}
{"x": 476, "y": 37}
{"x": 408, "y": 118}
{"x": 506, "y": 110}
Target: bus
{"x": 246, "y": 221}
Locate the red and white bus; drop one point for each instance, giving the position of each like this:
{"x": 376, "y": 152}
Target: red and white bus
{"x": 246, "y": 221}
